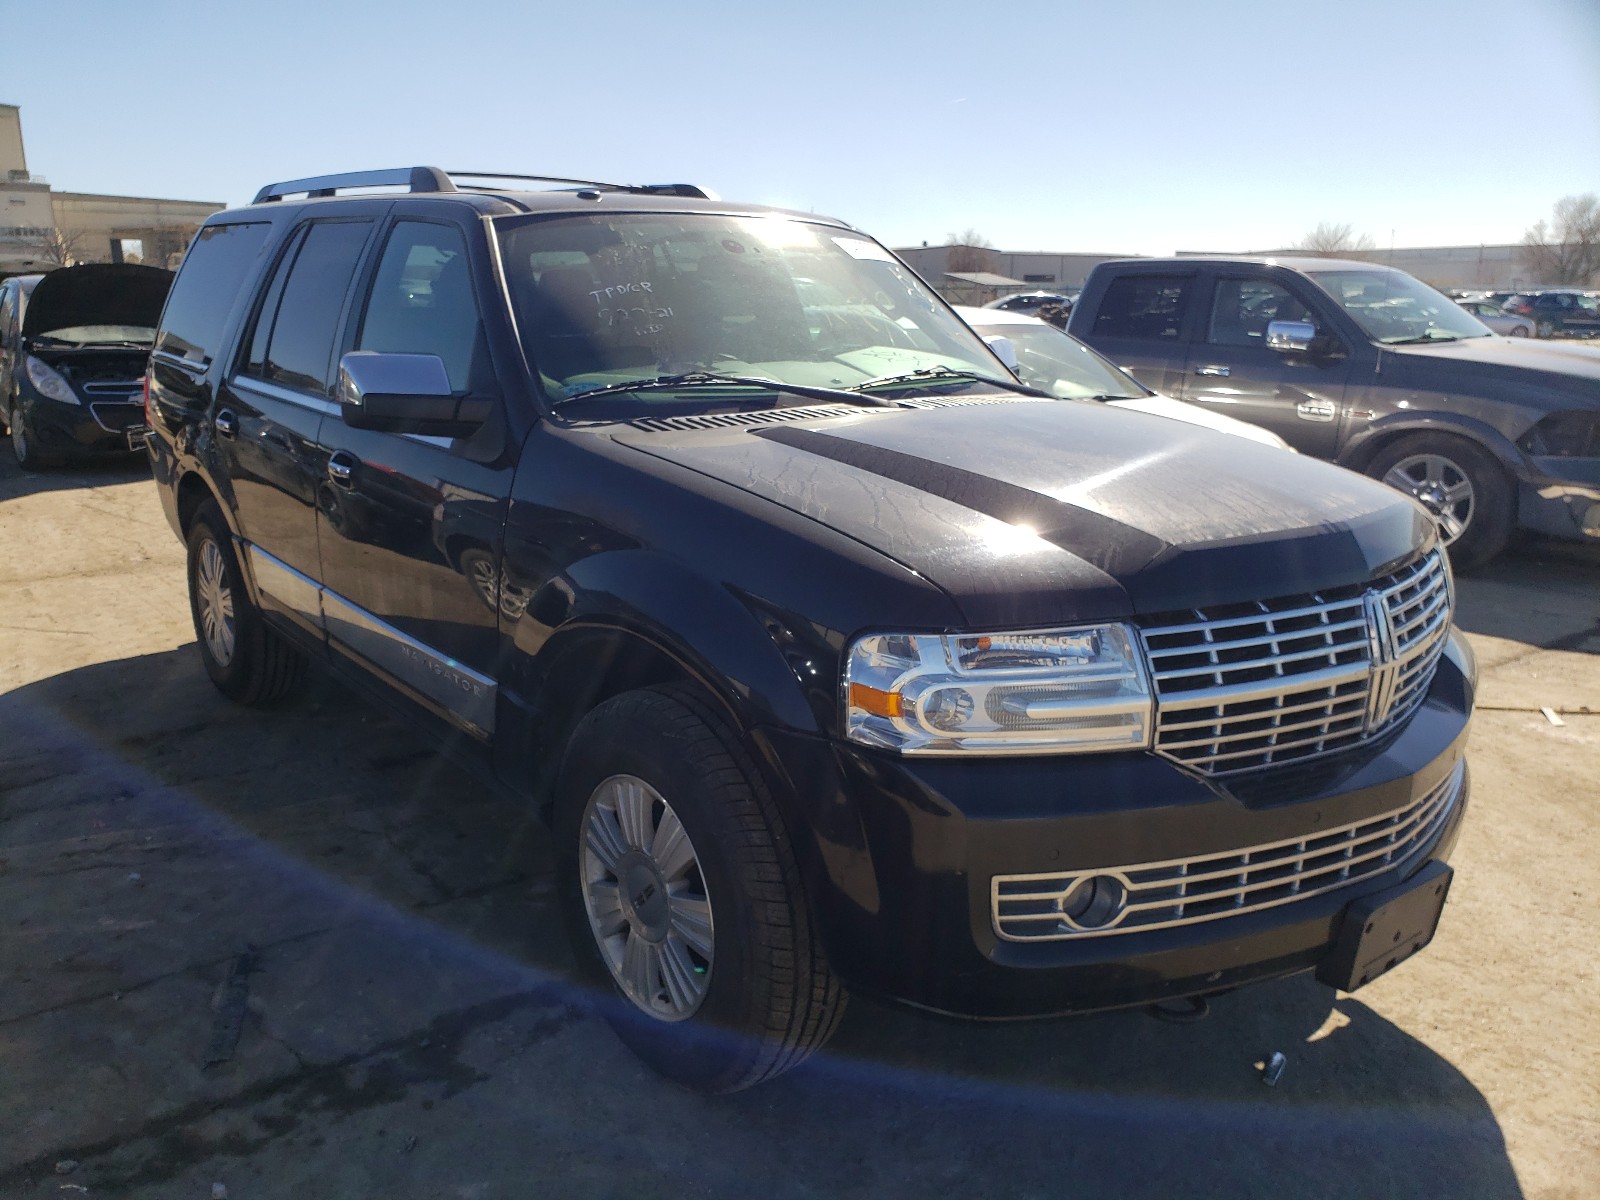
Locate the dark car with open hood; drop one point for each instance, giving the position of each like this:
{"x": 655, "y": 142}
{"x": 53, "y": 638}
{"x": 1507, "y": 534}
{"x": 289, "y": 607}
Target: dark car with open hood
{"x": 73, "y": 345}
{"x": 837, "y": 659}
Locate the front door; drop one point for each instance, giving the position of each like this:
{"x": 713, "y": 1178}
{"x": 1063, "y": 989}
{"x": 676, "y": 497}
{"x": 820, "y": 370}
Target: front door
{"x": 1300, "y": 397}
{"x": 411, "y": 527}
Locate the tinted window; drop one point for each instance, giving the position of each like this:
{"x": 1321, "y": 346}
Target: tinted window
{"x": 1143, "y": 306}
{"x": 218, "y": 265}
{"x": 307, "y": 317}
{"x": 255, "y": 362}
{"x": 1244, "y": 307}
{"x": 422, "y": 303}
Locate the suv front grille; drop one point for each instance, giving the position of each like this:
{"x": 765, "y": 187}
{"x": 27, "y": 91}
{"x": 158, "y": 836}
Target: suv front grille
{"x": 1188, "y": 891}
{"x": 1247, "y": 686}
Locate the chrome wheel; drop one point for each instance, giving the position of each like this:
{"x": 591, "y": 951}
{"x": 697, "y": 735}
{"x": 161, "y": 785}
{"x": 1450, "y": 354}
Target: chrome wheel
{"x": 646, "y": 898}
{"x": 1442, "y": 486}
{"x": 215, "y": 599}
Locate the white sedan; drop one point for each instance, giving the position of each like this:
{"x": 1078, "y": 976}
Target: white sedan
{"x": 1047, "y": 358}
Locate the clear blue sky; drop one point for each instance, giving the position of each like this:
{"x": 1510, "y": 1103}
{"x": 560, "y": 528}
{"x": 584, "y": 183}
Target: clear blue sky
{"x": 1113, "y": 126}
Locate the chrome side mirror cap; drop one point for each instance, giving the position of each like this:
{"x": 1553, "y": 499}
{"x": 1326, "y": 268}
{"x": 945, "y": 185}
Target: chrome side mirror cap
{"x": 1004, "y": 349}
{"x": 403, "y": 393}
{"x": 1290, "y": 337}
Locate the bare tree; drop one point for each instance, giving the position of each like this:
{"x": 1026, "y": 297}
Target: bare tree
{"x": 1329, "y": 240}
{"x": 1567, "y": 250}
{"x": 63, "y": 247}
{"x": 969, "y": 251}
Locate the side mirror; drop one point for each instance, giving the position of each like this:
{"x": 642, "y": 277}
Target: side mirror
{"x": 1290, "y": 337}
{"x": 403, "y": 393}
{"x": 1004, "y": 349}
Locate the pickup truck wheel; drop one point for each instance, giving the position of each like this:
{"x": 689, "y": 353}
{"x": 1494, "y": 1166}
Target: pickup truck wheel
{"x": 683, "y": 897}
{"x": 247, "y": 661}
{"x": 1467, "y": 491}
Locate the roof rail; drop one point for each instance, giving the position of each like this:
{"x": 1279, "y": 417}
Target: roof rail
{"x": 416, "y": 179}
{"x": 689, "y": 190}
{"x": 432, "y": 179}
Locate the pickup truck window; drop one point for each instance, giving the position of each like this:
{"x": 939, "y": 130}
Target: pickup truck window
{"x": 1242, "y": 309}
{"x": 1143, "y": 306}
{"x": 1392, "y": 308}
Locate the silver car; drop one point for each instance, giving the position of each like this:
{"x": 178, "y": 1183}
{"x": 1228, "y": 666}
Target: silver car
{"x": 1504, "y": 323}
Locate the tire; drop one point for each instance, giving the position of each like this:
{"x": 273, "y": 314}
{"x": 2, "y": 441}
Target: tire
{"x": 1432, "y": 467}
{"x": 249, "y": 662}
{"x": 1518, "y": 331}
{"x": 754, "y": 995}
{"x": 24, "y": 446}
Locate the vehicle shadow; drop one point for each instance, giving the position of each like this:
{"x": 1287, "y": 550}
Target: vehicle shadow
{"x": 1543, "y": 594}
{"x": 92, "y": 473}
{"x": 318, "y": 813}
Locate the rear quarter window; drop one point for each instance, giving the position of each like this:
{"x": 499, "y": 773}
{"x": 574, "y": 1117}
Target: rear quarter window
{"x": 213, "y": 274}
{"x": 1143, "y": 306}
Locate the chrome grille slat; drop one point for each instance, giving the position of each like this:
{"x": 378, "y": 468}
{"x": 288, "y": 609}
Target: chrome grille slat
{"x": 1185, "y": 891}
{"x": 1233, "y": 678}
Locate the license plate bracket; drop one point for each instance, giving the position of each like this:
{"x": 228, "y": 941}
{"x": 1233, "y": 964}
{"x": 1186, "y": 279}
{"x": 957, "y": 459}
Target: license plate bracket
{"x": 1384, "y": 929}
{"x": 137, "y": 436}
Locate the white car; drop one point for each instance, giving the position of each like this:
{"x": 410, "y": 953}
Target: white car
{"x": 1059, "y": 363}
{"x": 1496, "y": 318}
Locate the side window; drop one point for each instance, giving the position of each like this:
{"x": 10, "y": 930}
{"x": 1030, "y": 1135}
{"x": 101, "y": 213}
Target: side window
{"x": 293, "y": 340}
{"x": 1143, "y": 306}
{"x": 1242, "y": 309}
{"x": 214, "y": 272}
{"x": 422, "y": 303}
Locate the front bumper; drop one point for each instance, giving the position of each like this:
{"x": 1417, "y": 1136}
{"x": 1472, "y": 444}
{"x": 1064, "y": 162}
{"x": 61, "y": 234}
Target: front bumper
{"x": 92, "y": 427}
{"x": 1563, "y": 501}
{"x": 900, "y": 857}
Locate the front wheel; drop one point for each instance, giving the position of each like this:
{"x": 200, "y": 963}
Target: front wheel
{"x": 1519, "y": 331}
{"x": 24, "y": 446}
{"x": 683, "y": 897}
{"x": 1461, "y": 484}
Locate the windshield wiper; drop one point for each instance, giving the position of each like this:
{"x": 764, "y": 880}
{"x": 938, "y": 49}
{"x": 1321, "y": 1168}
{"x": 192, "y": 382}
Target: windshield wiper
{"x": 668, "y": 383}
{"x": 946, "y": 375}
{"x": 1421, "y": 338}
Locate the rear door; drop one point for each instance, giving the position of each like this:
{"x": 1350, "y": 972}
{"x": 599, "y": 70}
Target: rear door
{"x": 1142, "y": 324}
{"x": 1300, "y": 397}
{"x": 270, "y": 407}
{"x": 411, "y": 527}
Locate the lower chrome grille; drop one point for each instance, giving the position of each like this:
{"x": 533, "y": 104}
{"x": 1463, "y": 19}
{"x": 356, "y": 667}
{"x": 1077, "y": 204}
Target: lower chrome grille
{"x": 1245, "y": 686}
{"x": 1207, "y": 887}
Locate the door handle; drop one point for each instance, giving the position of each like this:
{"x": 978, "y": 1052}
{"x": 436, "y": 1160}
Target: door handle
{"x": 1223, "y": 371}
{"x": 342, "y": 469}
{"x": 227, "y": 423}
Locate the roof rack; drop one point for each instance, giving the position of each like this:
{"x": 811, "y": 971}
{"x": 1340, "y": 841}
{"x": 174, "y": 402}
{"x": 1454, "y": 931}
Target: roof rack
{"x": 432, "y": 179}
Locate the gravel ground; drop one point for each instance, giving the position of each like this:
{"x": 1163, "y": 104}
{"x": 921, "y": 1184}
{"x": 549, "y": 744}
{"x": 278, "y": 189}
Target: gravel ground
{"x": 407, "y": 1028}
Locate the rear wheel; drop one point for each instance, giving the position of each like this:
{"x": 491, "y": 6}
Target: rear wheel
{"x": 683, "y": 897}
{"x": 1461, "y": 484}
{"x": 248, "y": 661}
{"x": 1519, "y": 331}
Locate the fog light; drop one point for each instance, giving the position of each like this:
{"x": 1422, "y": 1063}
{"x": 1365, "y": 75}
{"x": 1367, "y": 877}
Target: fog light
{"x": 1591, "y": 521}
{"x": 1094, "y": 902}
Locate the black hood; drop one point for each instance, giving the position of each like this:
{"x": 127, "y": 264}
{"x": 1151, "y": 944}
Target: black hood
{"x": 1488, "y": 366}
{"x": 97, "y": 294}
{"x": 1029, "y": 512}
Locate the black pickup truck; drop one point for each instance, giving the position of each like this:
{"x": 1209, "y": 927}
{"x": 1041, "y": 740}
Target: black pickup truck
{"x": 836, "y": 657}
{"x": 1368, "y": 367}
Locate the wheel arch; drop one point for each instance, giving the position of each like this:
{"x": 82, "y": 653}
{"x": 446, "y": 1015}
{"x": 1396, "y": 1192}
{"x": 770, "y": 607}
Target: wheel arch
{"x": 1359, "y": 452}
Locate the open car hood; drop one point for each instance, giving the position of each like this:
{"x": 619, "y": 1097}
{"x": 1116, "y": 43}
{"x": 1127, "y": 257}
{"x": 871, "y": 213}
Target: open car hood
{"x": 97, "y": 294}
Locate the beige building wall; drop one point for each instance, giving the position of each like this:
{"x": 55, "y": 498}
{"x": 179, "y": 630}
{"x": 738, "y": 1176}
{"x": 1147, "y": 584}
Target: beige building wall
{"x": 128, "y": 228}
{"x": 13, "y": 162}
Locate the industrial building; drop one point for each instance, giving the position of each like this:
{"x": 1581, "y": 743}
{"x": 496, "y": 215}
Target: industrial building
{"x": 41, "y": 229}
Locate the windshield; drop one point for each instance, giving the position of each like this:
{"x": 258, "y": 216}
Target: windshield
{"x": 99, "y": 335}
{"x": 603, "y": 300}
{"x": 1062, "y": 365}
{"x": 1391, "y": 307}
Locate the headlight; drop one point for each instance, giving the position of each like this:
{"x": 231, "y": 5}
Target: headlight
{"x": 49, "y": 383}
{"x": 1055, "y": 691}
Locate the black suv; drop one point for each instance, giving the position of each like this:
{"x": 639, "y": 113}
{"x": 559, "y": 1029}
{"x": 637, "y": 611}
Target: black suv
{"x": 835, "y": 656}
{"x": 1364, "y": 365}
